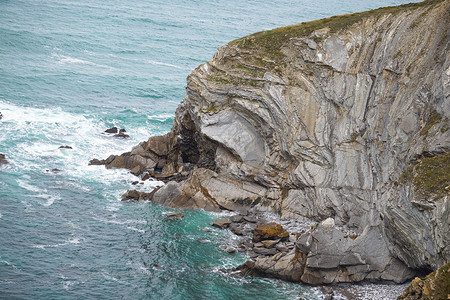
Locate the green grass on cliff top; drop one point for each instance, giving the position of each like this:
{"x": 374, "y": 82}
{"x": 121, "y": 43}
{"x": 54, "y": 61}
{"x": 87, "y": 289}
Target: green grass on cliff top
{"x": 271, "y": 41}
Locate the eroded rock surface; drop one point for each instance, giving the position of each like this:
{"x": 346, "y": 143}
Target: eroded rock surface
{"x": 332, "y": 120}
{"x": 435, "y": 286}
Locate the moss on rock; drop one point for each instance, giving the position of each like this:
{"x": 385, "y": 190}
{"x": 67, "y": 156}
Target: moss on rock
{"x": 434, "y": 119}
{"x": 430, "y": 176}
{"x": 435, "y": 286}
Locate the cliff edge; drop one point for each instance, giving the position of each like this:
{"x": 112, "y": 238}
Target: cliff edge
{"x": 343, "y": 120}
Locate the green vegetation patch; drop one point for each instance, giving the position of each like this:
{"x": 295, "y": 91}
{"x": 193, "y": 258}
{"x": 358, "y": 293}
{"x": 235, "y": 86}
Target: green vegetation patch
{"x": 435, "y": 286}
{"x": 226, "y": 78}
{"x": 210, "y": 108}
{"x": 270, "y": 42}
{"x": 430, "y": 176}
{"x": 434, "y": 119}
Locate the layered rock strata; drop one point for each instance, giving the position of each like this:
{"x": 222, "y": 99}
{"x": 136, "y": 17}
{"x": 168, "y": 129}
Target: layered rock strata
{"x": 342, "y": 120}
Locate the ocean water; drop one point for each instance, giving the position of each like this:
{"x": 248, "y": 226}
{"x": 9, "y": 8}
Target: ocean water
{"x": 68, "y": 71}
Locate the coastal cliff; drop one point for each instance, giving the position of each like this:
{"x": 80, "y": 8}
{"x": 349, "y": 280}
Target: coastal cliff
{"x": 343, "y": 121}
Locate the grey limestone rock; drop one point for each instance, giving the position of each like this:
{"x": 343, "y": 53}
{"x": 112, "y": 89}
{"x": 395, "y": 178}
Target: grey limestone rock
{"x": 324, "y": 123}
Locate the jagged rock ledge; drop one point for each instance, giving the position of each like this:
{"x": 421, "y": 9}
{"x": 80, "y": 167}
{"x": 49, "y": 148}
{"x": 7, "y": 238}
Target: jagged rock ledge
{"x": 342, "y": 120}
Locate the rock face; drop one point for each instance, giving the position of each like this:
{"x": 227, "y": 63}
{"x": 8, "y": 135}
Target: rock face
{"x": 335, "y": 120}
{"x": 434, "y": 286}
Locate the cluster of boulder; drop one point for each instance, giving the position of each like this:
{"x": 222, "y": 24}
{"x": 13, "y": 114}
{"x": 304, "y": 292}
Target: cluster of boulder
{"x": 120, "y": 133}
{"x": 298, "y": 256}
{"x": 261, "y": 239}
{"x": 146, "y": 159}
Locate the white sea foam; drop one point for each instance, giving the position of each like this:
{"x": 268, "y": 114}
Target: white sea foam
{"x": 39, "y": 192}
{"x": 108, "y": 276}
{"x": 144, "y": 270}
{"x": 29, "y": 187}
{"x": 371, "y": 291}
{"x": 119, "y": 222}
{"x": 153, "y": 62}
{"x": 68, "y": 60}
{"x": 50, "y": 199}
{"x": 9, "y": 264}
{"x": 161, "y": 117}
{"x": 136, "y": 229}
{"x": 73, "y": 241}
{"x": 58, "y": 128}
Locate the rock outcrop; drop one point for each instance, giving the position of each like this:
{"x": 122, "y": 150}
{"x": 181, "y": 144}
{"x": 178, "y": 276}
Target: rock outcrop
{"x": 342, "y": 120}
{"x": 434, "y": 286}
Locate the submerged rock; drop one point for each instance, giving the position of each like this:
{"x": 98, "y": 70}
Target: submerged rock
{"x": 174, "y": 215}
{"x": 121, "y": 135}
{"x": 221, "y": 223}
{"x": 3, "y": 159}
{"x": 96, "y": 162}
{"x": 133, "y": 195}
{"x": 113, "y": 129}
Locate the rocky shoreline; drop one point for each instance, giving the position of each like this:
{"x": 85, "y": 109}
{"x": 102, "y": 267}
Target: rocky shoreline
{"x": 264, "y": 235}
{"x": 341, "y": 121}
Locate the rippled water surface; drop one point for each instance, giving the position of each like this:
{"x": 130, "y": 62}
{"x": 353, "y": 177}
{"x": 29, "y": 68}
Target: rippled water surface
{"x": 68, "y": 71}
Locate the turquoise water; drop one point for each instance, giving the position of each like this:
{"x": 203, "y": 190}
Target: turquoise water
{"x": 68, "y": 71}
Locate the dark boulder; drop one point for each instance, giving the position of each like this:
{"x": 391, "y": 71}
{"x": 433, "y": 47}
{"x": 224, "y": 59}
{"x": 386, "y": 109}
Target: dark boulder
{"x": 131, "y": 195}
{"x": 236, "y": 230}
{"x": 121, "y": 135}
{"x": 65, "y": 147}
{"x": 237, "y": 219}
{"x": 221, "y": 223}
{"x": 173, "y": 215}
{"x": 145, "y": 176}
{"x": 96, "y": 162}
{"x": 112, "y": 130}
{"x": 136, "y": 170}
{"x": 3, "y": 159}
